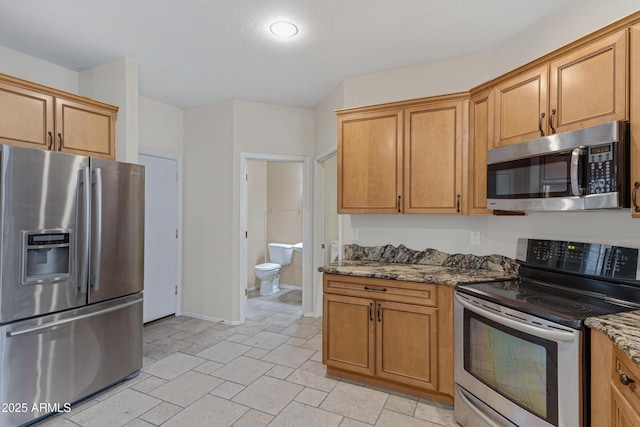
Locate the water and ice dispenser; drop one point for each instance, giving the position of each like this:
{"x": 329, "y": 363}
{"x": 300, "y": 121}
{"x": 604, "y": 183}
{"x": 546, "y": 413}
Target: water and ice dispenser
{"x": 46, "y": 256}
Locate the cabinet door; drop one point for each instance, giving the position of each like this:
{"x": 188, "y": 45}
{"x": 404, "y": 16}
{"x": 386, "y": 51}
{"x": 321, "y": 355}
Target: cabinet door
{"x": 635, "y": 120}
{"x": 623, "y": 414}
{"x": 26, "y": 117}
{"x": 589, "y": 86}
{"x": 370, "y": 162}
{"x": 348, "y": 337}
{"x": 406, "y": 344}
{"x": 481, "y": 138}
{"x": 432, "y": 158}
{"x": 85, "y": 129}
{"x": 521, "y": 107}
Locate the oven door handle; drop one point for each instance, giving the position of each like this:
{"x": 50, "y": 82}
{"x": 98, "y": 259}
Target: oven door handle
{"x": 517, "y": 325}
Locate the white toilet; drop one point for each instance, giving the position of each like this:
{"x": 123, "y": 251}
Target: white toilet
{"x": 279, "y": 255}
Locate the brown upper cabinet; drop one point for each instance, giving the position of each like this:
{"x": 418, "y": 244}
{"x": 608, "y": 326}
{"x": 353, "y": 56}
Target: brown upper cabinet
{"x": 584, "y": 86}
{"x": 481, "y": 111}
{"x": 36, "y": 116}
{"x": 370, "y": 161}
{"x": 635, "y": 121}
{"x": 402, "y": 157}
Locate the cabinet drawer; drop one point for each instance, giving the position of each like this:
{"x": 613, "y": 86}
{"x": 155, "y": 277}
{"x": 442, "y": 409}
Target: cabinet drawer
{"x": 381, "y": 289}
{"x": 626, "y": 377}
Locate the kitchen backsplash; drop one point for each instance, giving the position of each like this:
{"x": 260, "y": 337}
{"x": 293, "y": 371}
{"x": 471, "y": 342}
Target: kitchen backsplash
{"x": 404, "y": 255}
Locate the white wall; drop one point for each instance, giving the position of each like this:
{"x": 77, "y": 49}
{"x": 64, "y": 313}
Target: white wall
{"x": 215, "y": 137}
{"x": 116, "y": 83}
{"x": 266, "y": 129}
{"x": 498, "y": 234}
{"x": 208, "y": 280}
{"x": 35, "y": 70}
{"x": 161, "y": 126}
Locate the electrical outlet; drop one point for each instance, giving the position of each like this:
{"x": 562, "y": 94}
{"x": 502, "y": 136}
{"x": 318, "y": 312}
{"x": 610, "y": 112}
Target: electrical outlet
{"x": 354, "y": 234}
{"x": 475, "y": 238}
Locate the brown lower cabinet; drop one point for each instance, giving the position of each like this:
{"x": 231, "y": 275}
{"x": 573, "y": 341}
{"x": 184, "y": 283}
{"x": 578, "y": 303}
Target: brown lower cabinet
{"x": 390, "y": 333}
{"x": 615, "y": 385}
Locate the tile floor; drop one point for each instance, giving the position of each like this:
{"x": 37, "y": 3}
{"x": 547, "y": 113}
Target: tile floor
{"x": 268, "y": 371}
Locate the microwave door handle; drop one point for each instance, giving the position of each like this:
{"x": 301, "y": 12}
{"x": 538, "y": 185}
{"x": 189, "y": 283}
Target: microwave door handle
{"x": 576, "y": 190}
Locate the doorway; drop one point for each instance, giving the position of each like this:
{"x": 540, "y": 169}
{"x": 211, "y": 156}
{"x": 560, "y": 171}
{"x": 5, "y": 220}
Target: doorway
{"x": 162, "y": 235}
{"x": 327, "y": 225}
{"x": 253, "y": 246}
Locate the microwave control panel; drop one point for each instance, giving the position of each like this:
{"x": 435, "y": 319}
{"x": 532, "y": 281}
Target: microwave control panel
{"x": 601, "y": 169}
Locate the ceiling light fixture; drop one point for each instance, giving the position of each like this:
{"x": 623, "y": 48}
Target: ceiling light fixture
{"x": 283, "y": 29}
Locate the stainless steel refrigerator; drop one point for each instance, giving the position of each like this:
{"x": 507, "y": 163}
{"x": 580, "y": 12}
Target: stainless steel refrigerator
{"x": 71, "y": 278}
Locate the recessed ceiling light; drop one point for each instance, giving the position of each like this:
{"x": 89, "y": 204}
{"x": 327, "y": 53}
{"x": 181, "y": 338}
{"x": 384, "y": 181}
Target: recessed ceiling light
{"x": 283, "y": 29}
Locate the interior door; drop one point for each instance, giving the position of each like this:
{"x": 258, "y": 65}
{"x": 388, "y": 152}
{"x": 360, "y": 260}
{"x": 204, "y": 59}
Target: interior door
{"x": 161, "y": 237}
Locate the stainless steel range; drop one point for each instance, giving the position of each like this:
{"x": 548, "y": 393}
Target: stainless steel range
{"x": 521, "y": 349}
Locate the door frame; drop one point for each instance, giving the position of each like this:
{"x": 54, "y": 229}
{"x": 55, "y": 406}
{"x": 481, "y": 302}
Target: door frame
{"x": 178, "y": 160}
{"x": 318, "y": 214}
{"x": 307, "y": 285}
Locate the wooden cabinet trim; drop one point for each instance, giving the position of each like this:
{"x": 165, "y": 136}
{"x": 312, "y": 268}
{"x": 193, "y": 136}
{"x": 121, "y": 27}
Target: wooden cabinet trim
{"x": 615, "y": 45}
{"x": 433, "y": 380}
{"x": 382, "y": 289}
{"x": 421, "y": 192}
{"x": 459, "y": 96}
{"x": 622, "y": 365}
{"x": 372, "y": 190}
{"x": 634, "y": 106}
{"x": 606, "y": 31}
{"x": 14, "y": 81}
{"x": 395, "y": 331}
{"x": 356, "y": 352}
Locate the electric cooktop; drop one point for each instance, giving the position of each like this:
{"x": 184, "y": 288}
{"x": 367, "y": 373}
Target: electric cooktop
{"x": 567, "y": 282}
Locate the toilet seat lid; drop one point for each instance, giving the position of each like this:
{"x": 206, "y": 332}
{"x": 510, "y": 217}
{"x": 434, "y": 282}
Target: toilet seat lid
{"x": 268, "y": 266}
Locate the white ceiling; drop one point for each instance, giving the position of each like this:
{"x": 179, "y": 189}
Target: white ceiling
{"x": 199, "y": 52}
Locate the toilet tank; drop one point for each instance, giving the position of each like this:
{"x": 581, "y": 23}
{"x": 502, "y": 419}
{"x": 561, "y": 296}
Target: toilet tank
{"x": 280, "y": 253}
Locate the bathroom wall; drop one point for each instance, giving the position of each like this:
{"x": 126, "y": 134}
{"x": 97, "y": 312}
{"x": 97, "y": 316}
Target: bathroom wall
{"x": 256, "y": 222}
{"x": 284, "y": 213}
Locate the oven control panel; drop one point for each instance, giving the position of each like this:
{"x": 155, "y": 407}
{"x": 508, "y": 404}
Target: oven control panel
{"x": 584, "y": 258}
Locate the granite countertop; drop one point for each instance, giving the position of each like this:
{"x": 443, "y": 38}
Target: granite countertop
{"x": 414, "y": 272}
{"x": 427, "y": 266}
{"x": 623, "y": 329}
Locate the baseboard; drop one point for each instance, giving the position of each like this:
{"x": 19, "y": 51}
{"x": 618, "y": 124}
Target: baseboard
{"x": 213, "y": 319}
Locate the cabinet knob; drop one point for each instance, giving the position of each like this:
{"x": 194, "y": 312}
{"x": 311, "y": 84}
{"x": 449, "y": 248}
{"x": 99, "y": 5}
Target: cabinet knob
{"x": 625, "y": 380}
{"x": 60, "y": 141}
{"x": 636, "y": 185}
{"x": 50, "y": 145}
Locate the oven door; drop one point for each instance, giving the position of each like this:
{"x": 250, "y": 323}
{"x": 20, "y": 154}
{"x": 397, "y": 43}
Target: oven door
{"x": 515, "y": 369}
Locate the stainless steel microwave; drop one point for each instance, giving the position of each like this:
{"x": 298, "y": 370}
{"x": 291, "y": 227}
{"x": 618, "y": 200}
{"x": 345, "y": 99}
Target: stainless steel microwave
{"x": 578, "y": 170}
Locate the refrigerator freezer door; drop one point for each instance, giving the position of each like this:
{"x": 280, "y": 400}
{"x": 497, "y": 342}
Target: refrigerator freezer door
{"x": 117, "y": 242}
{"x": 41, "y": 192}
{"x": 52, "y": 361}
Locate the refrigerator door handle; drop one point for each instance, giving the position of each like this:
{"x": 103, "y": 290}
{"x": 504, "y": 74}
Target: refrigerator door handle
{"x": 39, "y": 328}
{"x": 97, "y": 247}
{"x": 86, "y": 235}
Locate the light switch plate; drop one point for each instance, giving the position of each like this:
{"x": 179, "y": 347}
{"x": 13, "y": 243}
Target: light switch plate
{"x": 475, "y": 238}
